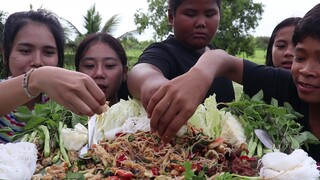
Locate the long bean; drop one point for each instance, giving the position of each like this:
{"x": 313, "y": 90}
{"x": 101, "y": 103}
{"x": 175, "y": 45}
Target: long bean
{"x": 61, "y": 144}
{"x": 46, "y": 148}
{"x": 56, "y": 157}
{"x": 32, "y": 136}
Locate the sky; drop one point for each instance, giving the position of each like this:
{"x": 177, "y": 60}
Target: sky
{"x": 74, "y": 10}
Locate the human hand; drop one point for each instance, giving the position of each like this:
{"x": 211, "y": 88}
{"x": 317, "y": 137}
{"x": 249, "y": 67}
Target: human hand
{"x": 175, "y": 102}
{"x": 74, "y": 90}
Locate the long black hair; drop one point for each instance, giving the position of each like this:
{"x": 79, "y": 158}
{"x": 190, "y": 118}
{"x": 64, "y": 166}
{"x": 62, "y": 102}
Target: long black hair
{"x": 16, "y": 21}
{"x": 292, "y": 21}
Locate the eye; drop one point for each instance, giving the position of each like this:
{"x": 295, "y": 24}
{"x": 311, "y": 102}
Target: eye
{"x": 88, "y": 66}
{"x": 280, "y": 45}
{"x": 298, "y": 58}
{"x": 50, "y": 53}
{"x": 211, "y": 13}
{"x": 24, "y": 51}
{"x": 190, "y": 13}
{"x": 110, "y": 66}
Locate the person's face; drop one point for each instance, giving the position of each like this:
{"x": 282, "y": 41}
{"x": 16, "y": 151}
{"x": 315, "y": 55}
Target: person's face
{"x": 283, "y": 49}
{"x": 34, "y": 46}
{"x": 195, "y": 23}
{"x": 103, "y": 65}
{"x": 306, "y": 70}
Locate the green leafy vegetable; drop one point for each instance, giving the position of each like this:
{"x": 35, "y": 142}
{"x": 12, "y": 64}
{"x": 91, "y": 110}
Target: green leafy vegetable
{"x": 279, "y": 122}
{"x": 189, "y": 173}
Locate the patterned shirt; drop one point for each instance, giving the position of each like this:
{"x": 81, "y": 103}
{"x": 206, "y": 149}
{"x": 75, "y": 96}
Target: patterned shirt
{"x": 9, "y": 120}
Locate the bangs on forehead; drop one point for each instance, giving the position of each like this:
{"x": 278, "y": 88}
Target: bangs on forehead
{"x": 174, "y": 4}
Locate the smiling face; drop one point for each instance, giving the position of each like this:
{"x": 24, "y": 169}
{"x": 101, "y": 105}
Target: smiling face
{"x": 103, "y": 65}
{"x": 195, "y": 23}
{"x": 306, "y": 70}
{"x": 283, "y": 48}
{"x": 34, "y": 46}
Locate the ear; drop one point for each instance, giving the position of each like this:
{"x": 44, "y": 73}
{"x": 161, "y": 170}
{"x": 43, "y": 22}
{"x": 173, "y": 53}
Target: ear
{"x": 170, "y": 17}
{"x": 125, "y": 73}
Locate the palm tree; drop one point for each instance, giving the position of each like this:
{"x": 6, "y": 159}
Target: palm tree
{"x": 92, "y": 24}
{"x": 92, "y": 20}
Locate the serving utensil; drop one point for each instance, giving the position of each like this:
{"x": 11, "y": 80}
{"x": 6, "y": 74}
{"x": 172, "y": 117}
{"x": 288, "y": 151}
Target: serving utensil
{"x": 265, "y": 138}
{"x": 84, "y": 150}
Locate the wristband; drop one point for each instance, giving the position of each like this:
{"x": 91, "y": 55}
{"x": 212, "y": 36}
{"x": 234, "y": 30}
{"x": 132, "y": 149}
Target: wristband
{"x": 25, "y": 83}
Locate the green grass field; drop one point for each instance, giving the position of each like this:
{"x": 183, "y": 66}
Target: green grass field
{"x": 258, "y": 57}
{"x": 133, "y": 55}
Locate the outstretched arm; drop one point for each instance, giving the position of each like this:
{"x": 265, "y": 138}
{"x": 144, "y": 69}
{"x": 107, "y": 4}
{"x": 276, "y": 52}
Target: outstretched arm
{"x": 76, "y": 91}
{"x": 176, "y": 101}
{"x": 144, "y": 80}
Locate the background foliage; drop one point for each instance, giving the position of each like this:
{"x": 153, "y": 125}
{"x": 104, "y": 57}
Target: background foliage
{"x": 238, "y": 20}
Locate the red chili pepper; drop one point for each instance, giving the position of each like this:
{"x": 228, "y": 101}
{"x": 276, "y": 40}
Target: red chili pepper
{"x": 219, "y": 140}
{"x": 119, "y": 134}
{"x": 124, "y": 174}
{"x": 246, "y": 158}
{"x": 156, "y": 149}
{"x": 122, "y": 157}
{"x": 179, "y": 168}
{"x": 155, "y": 171}
{"x": 199, "y": 167}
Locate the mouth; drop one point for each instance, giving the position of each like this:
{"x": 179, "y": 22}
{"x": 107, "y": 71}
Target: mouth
{"x": 102, "y": 87}
{"x": 306, "y": 87}
{"x": 287, "y": 64}
{"x": 200, "y": 35}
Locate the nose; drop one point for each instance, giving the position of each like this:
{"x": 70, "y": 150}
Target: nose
{"x": 289, "y": 51}
{"x": 201, "y": 22}
{"x": 99, "y": 72}
{"x": 310, "y": 68}
{"x": 37, "y": 60}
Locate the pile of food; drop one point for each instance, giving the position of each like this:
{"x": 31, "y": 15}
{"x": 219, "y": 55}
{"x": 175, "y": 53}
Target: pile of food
{"x": 142, "y": 155}
{"x": 214, "y": 144}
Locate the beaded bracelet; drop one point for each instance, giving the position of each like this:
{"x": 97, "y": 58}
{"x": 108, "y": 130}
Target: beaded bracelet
{"x": 25, "y": 83}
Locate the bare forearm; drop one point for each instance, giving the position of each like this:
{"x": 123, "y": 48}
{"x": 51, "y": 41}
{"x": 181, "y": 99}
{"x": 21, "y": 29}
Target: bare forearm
{"x": 144, "y": 81}
{"x": 12, "y": 95}
{"x": 216, "y": 63}
{"x": 76, "y": 91}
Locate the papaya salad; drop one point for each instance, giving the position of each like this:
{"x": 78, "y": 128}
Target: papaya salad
{"x": 214, "y": 144}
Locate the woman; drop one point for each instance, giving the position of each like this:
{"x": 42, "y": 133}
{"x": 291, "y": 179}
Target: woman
{"x": 32, "y": 40}
{"x": 103, "y": 58}
{"x": 280, "y": 48}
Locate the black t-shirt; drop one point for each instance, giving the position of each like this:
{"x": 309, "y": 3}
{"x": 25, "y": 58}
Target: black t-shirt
{"x": 173, "y": 60}
{"x": 277, "y": 83}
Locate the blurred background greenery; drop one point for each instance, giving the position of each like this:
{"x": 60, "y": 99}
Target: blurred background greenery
{"x": 238, "y": 21}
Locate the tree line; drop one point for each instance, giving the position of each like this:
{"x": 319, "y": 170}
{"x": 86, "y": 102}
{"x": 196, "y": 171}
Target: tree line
{"x": 238, "y": 20}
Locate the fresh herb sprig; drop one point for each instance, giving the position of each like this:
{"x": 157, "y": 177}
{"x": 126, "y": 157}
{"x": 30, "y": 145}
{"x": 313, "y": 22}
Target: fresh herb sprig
{"x": 279, "y": 121}
{"x": 44, "y": 120}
